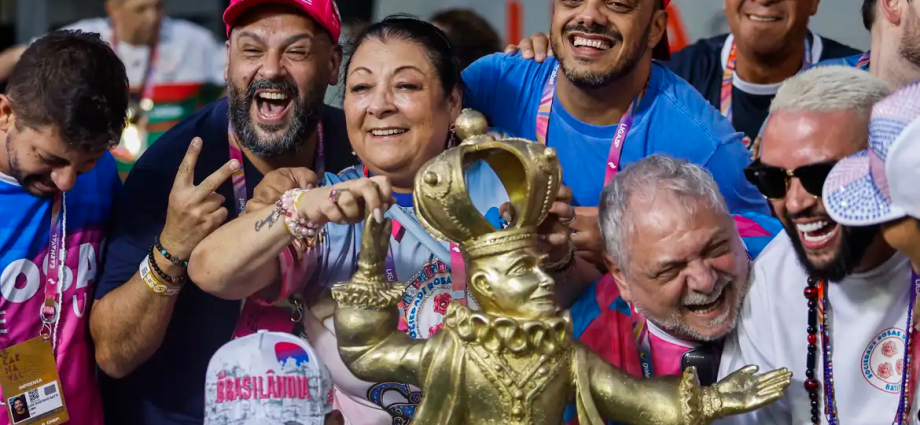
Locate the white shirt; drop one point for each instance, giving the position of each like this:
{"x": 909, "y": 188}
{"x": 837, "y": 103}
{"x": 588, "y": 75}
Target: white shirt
{"x": 864, "y": 308}
{"x": 187, "y": 53}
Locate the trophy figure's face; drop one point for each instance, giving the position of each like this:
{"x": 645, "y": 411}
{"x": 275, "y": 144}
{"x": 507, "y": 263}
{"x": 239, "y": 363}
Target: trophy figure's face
{"x": 513, "y": 285}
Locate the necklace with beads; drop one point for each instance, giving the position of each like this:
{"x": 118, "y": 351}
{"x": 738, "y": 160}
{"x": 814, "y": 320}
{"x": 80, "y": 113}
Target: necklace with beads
{"x": 816, "y": 295}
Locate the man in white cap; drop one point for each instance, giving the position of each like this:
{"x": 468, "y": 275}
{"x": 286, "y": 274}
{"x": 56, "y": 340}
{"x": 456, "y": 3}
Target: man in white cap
{"x": 878, "y": 186}
{"x": 268, "y": 378}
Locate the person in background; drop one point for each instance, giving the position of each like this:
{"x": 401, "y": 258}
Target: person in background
{"x": 403, "y": 94}
{"x": 470, "y": 35}
{"x": 878, "y": 186}
{"x": 823, "y": 286}
{"x": 154, "y": 335}
{"x": 679, "y": 270}
{"x": 65, "y": 107}
{"x": 603, "y": 103}
{"x": 155, "y": 48}
{"x": 241, "y": 372}
{"x": 740, "y": 72}
{"x": 895, "y": 50}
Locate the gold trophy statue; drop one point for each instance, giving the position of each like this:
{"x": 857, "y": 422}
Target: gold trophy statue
{"x": 515, "y": 361}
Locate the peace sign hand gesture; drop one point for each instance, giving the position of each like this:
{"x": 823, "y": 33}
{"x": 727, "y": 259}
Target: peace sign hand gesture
{"x": 194, "y": 211}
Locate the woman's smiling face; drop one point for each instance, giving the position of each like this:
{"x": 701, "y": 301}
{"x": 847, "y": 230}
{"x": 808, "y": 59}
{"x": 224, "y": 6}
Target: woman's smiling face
{"x": 397, "y": 111}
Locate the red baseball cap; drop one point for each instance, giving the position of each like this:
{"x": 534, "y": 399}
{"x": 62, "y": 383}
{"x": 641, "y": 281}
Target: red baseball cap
{"x": 324, "y": 12}
{"x": 662, "y": 50}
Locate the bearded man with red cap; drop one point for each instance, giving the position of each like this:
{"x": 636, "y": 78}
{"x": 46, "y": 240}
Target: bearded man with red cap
{"x": 603, "y": 103}
{"x": 154, "y": 329}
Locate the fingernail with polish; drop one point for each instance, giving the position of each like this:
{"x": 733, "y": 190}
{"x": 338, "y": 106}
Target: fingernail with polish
{"x": 234, "y": 165}
{"x": 507, "y": 216}
{"x": 378, "y": 215}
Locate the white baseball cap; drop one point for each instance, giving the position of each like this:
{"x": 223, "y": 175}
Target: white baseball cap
{"x": 267, "y": 378}
{"x": 882, "y": 183}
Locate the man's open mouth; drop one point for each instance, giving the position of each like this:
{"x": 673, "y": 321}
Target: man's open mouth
{"x": 708, "y": 307}
{"x": 272, "y": 104}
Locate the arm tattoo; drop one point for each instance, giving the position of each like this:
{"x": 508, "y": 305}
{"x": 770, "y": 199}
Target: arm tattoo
{"x": 270, "y": 220}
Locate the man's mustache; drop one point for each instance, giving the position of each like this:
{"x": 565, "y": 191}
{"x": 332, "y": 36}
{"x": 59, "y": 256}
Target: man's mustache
{"x": 594, "y": 30}
{"x": 285, "y": 86}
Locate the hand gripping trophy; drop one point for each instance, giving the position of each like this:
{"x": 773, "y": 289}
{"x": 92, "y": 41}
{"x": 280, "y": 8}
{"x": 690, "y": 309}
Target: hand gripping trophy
{"x": 515, "y": 361}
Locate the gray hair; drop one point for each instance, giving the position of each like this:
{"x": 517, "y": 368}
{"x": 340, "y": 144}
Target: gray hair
{"x": 830, "y": 89}
{"x": 691, "y": 184}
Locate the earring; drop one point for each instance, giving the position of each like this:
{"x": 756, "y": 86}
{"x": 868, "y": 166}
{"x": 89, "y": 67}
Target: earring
{"x": 452, "y": 137}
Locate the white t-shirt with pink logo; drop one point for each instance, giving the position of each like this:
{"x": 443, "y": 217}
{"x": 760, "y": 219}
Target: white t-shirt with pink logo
{"x": 24, "y": 231}
{"x": 867, "y": 324}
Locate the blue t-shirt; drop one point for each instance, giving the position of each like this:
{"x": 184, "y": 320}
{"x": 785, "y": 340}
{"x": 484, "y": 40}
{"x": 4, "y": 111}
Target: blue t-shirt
{"x": 672, "y": 119}
{"x": 24, "y": 244}
{"x": 851, "y": 61}
{"x": 426, "y": 275}
{"x": 169, "y": 387}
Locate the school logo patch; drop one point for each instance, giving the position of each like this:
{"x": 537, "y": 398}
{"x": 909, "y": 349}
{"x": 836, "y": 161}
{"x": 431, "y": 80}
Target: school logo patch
{"x": 425, "y": 302}
{"x": 883, "y": 360}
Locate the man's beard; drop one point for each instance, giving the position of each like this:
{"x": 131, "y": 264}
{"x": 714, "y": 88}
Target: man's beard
{"x": 854, "y": 242}
{"x": 675, "y": 325}
{"x": 910, "y": 43}
{"x": 589, "y": 79}
{"x": 27, "y": 182}
{"x": 306, "y": 114}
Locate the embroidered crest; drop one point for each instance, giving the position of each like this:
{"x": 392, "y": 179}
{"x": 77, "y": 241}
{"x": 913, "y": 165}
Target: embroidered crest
{"x": 425, "y": 300}
{"x": 883, "y": 360}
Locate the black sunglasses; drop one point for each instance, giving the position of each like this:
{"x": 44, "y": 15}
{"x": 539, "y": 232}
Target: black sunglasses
{"x": 773, "y": 182}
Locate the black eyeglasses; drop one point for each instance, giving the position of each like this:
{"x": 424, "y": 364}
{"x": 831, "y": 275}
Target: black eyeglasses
{"x": 773, "y": 182}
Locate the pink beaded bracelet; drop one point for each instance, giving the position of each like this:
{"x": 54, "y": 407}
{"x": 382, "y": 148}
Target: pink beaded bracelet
{"x": 299, "y": 227}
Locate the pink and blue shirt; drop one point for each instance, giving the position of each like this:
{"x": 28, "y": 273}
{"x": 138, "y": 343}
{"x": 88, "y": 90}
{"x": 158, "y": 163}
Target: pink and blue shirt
{"x": 24, "y": 239}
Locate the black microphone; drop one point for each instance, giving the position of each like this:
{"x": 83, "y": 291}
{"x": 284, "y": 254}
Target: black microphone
{"x": 705, "y": 359}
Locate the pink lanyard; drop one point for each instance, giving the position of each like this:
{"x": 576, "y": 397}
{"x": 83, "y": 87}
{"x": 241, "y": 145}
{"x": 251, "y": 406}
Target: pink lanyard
{"x": 728, "y": 76}
{"x": 51, "y": 309}
{"x": 239, "y": 176}
{"x": 864, "y": 61}
{"x": 457, "y": 267}
{"x": 255, "y": 316}
{"x": 616, "y": 148}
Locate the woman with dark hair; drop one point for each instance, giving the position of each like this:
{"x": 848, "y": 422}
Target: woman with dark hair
{"x": 470, "y": 34}
{"x": 403, "y": 91}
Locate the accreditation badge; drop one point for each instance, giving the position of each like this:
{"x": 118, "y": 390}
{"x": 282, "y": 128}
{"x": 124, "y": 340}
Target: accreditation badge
{"x": 31, "y": 384}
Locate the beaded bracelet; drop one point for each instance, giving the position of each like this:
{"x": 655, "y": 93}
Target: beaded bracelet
{"x": 160, "y": 272}
{"x": 175, "y": 260}
{"x": 153, "y": 283}
{"x": 299, "y": 227}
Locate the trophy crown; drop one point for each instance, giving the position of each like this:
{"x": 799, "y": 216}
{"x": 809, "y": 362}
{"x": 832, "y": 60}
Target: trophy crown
{"x": 529, "y": 171}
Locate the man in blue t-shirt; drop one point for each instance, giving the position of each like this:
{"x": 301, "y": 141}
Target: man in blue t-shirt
{"x": 603, "y": 65}
{"x": 65, "y": 107}
{"x": 155, "y": 332}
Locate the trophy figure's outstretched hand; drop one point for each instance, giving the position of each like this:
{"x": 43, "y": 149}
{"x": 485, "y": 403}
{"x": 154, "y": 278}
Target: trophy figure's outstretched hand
{"x": 745, "y": 391}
